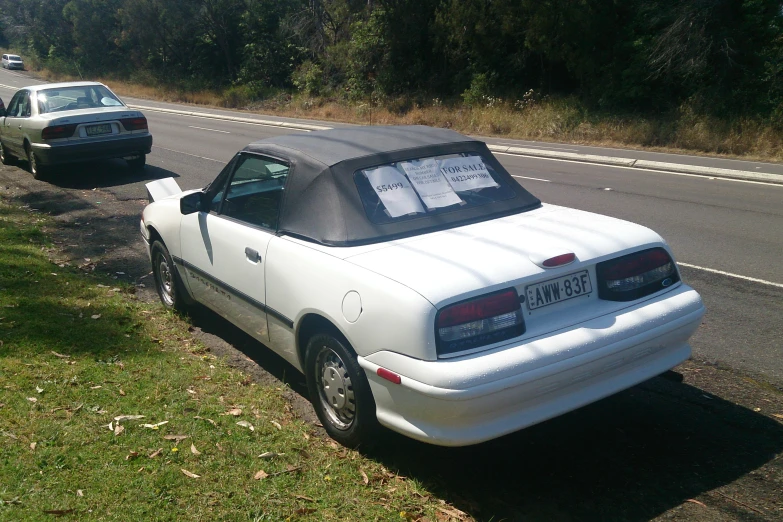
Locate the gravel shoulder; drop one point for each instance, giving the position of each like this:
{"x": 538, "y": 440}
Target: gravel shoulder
{"x": 704, "y": 443}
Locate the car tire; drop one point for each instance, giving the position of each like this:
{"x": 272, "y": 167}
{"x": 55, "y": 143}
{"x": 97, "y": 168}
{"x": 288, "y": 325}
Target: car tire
{"x": 137, "y": 163}
{"x": 339, "y": 390}
{"x": 36, "y": 169}
{"x": 5, "y": 158}
{"x": 167, "y": 281}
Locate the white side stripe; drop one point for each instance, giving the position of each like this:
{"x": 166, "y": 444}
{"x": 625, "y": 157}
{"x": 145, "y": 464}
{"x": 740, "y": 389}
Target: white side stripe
{"x": 729, "y": 274}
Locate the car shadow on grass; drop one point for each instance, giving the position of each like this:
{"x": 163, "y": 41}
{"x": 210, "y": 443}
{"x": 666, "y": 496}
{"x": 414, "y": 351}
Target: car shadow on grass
{"x": 632, "y": 456}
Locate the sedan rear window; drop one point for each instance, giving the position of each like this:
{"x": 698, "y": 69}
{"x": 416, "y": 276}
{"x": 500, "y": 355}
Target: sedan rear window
{"x": 425, "y": 186}
{"x": 76, "y": 97}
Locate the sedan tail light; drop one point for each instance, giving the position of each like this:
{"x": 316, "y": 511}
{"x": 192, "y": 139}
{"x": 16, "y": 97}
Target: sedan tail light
{"x": 479, "y": 322}
{"x": 636, "y": 275}
{"x": 58, "y": 131}
{"x": 133, "y": 124}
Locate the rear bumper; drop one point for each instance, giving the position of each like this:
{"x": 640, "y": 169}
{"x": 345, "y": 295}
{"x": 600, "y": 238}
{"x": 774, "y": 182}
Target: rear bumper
{"x": 69, "y": 152}
{"x": 473, "y": 399}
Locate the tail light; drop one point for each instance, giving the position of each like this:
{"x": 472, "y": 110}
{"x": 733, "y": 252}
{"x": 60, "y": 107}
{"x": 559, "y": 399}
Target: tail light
{"x": 636, "y": 275}
{"x": 58, "y": 131}
{"x": 479, "y": 322}
{"x": 134, "y": 124}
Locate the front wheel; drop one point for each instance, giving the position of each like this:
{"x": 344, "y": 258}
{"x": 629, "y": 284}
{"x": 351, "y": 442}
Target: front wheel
{"x": 339, "y": 390}
{"x": 167, "y": 282}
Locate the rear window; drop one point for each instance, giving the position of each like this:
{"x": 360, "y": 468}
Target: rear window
{"x": 76, "y": 97}
{"x": 427, "y": 186}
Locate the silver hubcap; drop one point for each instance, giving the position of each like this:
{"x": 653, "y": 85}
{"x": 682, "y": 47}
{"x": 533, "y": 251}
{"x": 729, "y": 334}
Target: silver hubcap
{"x": 164, "y": 281}
{"x": 335, "y": 389}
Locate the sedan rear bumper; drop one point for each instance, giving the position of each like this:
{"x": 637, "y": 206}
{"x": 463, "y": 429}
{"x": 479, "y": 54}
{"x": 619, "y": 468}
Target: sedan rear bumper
{"x": 69, "y": 152}
{"x": 482, "y": 401}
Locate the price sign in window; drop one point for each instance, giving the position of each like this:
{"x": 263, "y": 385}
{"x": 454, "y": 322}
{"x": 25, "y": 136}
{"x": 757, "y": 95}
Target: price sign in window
{"x": 394, "y": 191}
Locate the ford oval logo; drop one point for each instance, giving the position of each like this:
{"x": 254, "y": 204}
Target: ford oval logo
{"x": 666, "y": 282}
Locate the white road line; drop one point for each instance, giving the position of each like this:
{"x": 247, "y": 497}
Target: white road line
{"x": 545, "y": 147}
{"x": 729, "y": 274}
{"x": 639, "y": 169}
{"x": 187, "y": 154}
{"x": 206, "y": 129}
{"x": 528, "y": 177}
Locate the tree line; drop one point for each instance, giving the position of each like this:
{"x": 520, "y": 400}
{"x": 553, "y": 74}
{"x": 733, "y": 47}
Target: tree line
{"x": 722, "y": 57}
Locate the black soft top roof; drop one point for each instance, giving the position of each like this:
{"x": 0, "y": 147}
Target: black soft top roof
{"x": 321, "y": 201}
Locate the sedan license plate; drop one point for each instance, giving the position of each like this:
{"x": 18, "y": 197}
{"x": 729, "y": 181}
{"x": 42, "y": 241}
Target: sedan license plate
{"x": 558, "y": 290}
{"x": 96, "y": 130}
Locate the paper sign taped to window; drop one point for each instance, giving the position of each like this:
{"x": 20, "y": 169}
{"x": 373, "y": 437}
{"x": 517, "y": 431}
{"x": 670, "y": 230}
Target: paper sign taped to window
{"x": 394, "y": 190}
{"x": 469, "y": 173}
{"x": 427, "y": 180}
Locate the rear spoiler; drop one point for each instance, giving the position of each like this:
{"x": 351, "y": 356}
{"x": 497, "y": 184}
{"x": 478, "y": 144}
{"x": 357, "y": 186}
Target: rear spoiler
{"x": 162, "y": 188}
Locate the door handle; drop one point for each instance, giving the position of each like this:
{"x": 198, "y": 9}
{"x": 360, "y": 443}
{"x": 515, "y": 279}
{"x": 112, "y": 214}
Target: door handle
{"x": 252, "y": 255}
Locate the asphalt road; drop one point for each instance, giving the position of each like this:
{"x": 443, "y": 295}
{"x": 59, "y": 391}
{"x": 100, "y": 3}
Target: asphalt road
{"x": 712, "y": 224}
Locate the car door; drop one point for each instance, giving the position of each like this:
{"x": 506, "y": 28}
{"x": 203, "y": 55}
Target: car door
{"x": 12, "y": 123}
{"x": 224, "y": 249}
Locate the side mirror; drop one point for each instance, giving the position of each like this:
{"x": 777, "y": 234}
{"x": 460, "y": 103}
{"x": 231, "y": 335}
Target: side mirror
{"x": 191, "y": 203}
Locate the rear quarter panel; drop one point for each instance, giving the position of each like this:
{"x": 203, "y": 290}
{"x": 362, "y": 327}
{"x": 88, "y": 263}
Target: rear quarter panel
{"x": 301, "y": 280}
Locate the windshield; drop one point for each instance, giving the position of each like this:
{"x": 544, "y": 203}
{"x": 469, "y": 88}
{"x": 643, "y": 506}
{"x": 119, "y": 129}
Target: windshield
{"x": 76, "y": 97}
{"x": 14, "y": 57}
{"x": 425, "y": 186}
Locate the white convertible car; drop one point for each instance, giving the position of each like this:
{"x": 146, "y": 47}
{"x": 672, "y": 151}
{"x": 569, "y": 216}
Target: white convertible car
{"x": 417, "y": 285}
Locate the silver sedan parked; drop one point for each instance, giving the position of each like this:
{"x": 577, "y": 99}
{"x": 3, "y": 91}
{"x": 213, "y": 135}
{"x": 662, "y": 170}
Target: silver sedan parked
{"x": 58, "y": 123}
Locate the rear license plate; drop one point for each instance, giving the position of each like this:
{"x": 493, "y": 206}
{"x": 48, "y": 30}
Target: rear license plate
{"x": 95, "y": 130}
{"x": 558, "y": 290}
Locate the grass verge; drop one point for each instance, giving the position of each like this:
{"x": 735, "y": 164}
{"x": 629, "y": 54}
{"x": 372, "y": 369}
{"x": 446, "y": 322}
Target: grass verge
{"x": 81, "y": 360}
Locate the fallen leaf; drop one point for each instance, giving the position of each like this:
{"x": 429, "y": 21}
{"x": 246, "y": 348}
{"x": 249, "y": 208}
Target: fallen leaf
{"x": 451, "y": 512}
{"x": 79, "y": 493}
{"x": 119, "y": 428}
{"x": 302, "y": 497}
{"x": 694, "y": 501}
{"x": 276, "y": 425}
{"x": 270, "y": 455}
{"x": 189, "y": 474}
{"x": 192, "y": 392}
{"x": 154, "y": 426}
{"x": 261, "y": 474}
{"x": 365, "y": 479}
{"x": 155, "y": 453}
{"x": 218, "y": 446}
{"x": 193, "y": 450}
{"x": 39, "y": 390}
{"x": 93, "y": 387}
{"x": 61, "y": 356}
{"x": 33, "y": 445}
{"x": 132, "y": 455}
{"x": 32, "y": 399}
{"x": 128, "y": 417}
{"x": 96, "y": 316}
{"x": 305, "y": 511}
{"x": 175, "y": 437}
{"x": 246, "y": 424}
{"x": 58, "y": 512}
{"x": 233, "y": 411}
{"x": 122, "y": 393}
{"x": 208, "y": 420}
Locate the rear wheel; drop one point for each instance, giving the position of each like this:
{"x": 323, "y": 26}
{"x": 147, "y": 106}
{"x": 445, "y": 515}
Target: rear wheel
{"x": 138, "y": 162}
{"x": 36, "y": 169}
{"x": 5, "y": 158}
{"x": 339, "y": 390}
{"x": 167, "y": 281}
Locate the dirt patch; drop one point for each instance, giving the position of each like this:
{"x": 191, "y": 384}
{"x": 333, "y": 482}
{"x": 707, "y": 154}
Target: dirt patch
{"x": 702, "y": 444}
